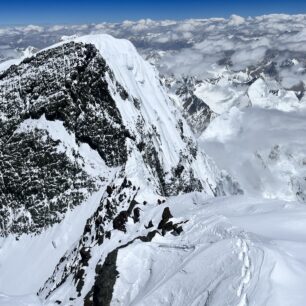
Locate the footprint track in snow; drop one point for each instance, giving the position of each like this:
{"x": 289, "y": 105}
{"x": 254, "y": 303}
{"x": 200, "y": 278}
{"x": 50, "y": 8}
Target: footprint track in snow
{"x": 245, "y": 271}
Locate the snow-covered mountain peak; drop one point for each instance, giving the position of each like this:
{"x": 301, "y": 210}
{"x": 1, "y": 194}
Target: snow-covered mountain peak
{"x": 86, "y": 125}
{"x": 146, "y": 110}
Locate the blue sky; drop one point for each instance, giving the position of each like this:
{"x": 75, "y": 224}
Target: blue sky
{"x": 86, "y": 11}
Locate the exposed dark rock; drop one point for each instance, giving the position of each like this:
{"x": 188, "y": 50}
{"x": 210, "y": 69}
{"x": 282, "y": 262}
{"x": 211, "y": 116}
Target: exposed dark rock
{"x": 177, "y": 231}
{"x": 165, "y": 225}
{"x": 132, "y": 204}
{"x": 105, "y": 280}
{"x": 149, "y": 225}
{"x": 85, "y": 254}
{"x": 179, "y": 170}
{"x": 67, "y": 83}
{"x": 120, "y": 220}
{"x": 98, "y": 221}
{"x": 136, "y": 214}
{"x": 37, "y": 183}
{"x": 165, "y": 217}
{"x": 109, "y": 190}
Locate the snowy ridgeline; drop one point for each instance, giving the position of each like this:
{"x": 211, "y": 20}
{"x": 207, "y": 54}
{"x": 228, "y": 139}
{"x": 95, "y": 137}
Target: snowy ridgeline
{"x": 228, "y": 252}
{"x": 154, "y": 220}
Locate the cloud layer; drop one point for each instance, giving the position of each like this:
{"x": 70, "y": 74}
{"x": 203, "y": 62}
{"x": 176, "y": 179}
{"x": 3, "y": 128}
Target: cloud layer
{"x": 200, "y": 47}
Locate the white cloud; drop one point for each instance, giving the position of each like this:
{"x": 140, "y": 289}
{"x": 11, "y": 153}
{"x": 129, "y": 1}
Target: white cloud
{"x": 236, "y": 20}
{"x": 193, "y": 45}
{"x": 32, "y": 28}
{"x": 56, "y": 28}
{"x": 248, "y": 56}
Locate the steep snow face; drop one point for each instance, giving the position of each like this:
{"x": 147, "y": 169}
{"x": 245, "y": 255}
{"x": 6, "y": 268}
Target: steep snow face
{"x": 152, "y": 119}
{"x": 271, "y": 149}
{"x": 88, "y": 158}
{"x": 27, "y": 262}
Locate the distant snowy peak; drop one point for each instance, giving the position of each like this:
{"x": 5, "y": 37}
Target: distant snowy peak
{"x": 267, "y": 93}
{"x": 254, "y": 87}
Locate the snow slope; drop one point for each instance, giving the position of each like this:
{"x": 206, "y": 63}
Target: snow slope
{"x": 26, "y": 263}
{"x": 228, "y": 254}
{"x": 24, "y": 255}
{"x": 28, "y": 300}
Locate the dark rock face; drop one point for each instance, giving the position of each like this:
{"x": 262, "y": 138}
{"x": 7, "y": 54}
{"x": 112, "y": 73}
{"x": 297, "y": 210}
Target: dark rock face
{"x": 181, "y": 178}
{"x": 66, "y": 83}
{"x": 75, "y": 264}
{"x": 37, "y": 183}
{"x": 120, "y": 220}
{"x": 105, "y": 280}
{"x": 113, "y": 213}
{"x": 196, "y": 112}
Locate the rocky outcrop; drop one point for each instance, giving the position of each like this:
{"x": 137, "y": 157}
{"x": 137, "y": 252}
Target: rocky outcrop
{"x": 65, "y": 83}
{"x": 38, "y": 184}
{"x": 196, "y": 112}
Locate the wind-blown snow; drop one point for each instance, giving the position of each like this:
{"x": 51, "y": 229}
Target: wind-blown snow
{"x": 23, "y": 300}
